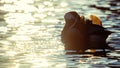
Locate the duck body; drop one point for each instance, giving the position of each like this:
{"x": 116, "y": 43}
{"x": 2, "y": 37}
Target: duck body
{"x": 74, "y": 40}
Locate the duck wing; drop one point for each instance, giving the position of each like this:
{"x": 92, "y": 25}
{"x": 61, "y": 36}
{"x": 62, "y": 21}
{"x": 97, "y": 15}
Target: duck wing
{"x": 98, "y": 36}
{"x": 97, "y": 33}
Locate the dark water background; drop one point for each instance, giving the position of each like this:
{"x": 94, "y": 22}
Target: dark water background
{"x": 30, "y": 33}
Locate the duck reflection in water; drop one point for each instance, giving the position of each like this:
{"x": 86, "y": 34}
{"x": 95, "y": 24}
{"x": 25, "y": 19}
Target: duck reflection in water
{"x": 79, "y": 34}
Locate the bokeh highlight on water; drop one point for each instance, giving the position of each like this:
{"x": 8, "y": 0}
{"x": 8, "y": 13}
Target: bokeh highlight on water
{"x": 30, "y": 33}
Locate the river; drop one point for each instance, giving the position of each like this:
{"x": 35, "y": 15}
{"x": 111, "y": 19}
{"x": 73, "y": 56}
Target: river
{"x": 30, "y": 33}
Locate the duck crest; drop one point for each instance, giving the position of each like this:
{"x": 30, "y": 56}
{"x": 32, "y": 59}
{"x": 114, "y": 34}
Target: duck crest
{"x": 95, "y": 20}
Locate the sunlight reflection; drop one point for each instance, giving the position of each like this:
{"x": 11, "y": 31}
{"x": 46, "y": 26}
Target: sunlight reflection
{"x": 19, "y": 37}
{"x": 8, "y": 7}
{"x": 37, "y": 61}
{"x": 8, "y": 1}
{"x": 25, "y": 7}
{"x": 4, "y": 42}
{"x": 50, "y": 20}
{"x": 11, "y": 53}
{"x": 28, "y": 29}
{"x": 22, "y": 6}
{"x": 14, "y": 1}
{"x": 41, "y": 8}
{"x": 39, "y": 16}
{"x": 25, "y": 1}
{"x": 30, "y": 36}
{"x": 18, "y": 18}
{"x": 42, "y": 60}
{"x": 47, "y": 3}
{"x": 63, "y": 4}
{"x": 3, "y": 29}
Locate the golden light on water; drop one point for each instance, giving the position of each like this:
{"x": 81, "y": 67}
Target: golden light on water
{"x": 7, "y": 1}
{"x": 19, "y": 37}
{"x": 30, "y": 33}
{"x": 63, "y": 4}
{"x": 18, "y": 18}
{"x": 47, "y": 3}
{"x": 25, "y": 41}
{"x": 16, "y": 1}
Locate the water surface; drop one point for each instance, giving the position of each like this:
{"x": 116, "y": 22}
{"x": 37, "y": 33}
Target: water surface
{"x": 30, "y": 33}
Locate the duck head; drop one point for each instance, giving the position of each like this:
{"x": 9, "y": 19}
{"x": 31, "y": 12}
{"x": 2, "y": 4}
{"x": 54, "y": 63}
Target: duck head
{"x": 74, "y": 20}
{"x": 71, "y": 19}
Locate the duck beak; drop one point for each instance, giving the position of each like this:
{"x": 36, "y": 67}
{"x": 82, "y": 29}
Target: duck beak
{"x": 82, "y": 19}
{"x": 95, "y": 20}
